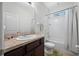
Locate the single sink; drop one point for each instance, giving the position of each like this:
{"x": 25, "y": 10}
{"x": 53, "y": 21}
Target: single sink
{"x": 26, "y": 37}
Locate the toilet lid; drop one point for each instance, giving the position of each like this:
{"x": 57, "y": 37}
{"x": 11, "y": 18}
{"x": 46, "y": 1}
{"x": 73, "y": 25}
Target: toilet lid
{"x": 49, "y": 44}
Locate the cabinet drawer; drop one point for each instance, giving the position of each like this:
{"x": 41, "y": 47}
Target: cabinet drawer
{"x": 42, "y": 40}
{"x": 32, "y": 45}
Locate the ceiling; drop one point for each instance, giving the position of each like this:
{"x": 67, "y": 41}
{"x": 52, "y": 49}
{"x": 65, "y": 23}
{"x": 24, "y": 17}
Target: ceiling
{"x": 53, "y": 6}
{"x": 49, "y": 4}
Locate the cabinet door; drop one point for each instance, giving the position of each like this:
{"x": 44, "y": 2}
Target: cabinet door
{"x": 33, "y": 45}
{"x": 30, "y": 53}
{"x": 16, "y": 52}
{"x": 39, "y": 51}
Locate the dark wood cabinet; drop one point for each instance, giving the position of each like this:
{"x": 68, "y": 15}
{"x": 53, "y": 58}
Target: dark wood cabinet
{"x": 30, "y": 53}
{"x": 35, "y": 48}
{"x": 33, "y": 45}
{"x": 39, "y": 51}
{"x": 16, "y": 52}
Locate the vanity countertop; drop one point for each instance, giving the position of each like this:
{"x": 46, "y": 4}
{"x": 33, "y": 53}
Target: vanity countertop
{"x": 11, "y": 44}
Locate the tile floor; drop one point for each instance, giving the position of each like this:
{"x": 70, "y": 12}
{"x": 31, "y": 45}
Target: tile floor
{"x": 59, "y": 52}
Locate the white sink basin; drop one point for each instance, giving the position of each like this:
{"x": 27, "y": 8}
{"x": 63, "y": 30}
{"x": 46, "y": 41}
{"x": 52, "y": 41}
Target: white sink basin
{"x": 26, "y": 37}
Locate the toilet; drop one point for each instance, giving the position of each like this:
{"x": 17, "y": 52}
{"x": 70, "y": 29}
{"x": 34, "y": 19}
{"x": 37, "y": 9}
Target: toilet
{"x": 49, "y": 47}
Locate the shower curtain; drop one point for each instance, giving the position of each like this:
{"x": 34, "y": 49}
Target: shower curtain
{"x": 73, "y": 40}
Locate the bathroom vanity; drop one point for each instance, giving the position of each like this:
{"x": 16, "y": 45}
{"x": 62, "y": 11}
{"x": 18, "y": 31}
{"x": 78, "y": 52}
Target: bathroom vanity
{"x": 33, "y": 47}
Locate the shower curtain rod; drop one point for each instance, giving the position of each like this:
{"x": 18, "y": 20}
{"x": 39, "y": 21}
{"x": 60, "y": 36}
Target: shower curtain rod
{"x": 62, "y": 10}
